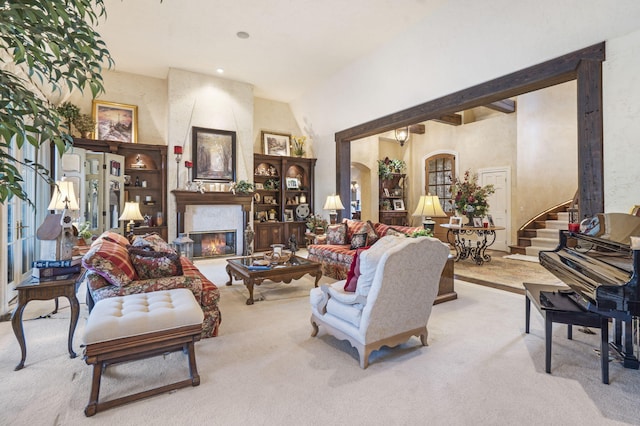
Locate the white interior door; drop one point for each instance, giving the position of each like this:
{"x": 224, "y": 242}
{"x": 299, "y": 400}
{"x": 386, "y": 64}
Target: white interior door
{"x": 499, "y": 203}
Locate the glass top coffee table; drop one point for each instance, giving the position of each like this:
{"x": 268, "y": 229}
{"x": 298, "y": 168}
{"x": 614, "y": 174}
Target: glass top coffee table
{"x": 244, "y": 268}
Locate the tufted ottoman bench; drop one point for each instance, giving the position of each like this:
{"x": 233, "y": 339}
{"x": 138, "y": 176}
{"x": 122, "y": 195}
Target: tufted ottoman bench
{"x": 139, "y": 326}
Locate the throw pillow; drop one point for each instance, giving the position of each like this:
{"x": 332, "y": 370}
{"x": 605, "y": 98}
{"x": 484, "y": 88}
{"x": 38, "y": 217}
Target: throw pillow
{"x": 110, "y": 261}
{"x": 152, "y": 264}
{"x": 354, "y": 272}
{"x": 154, "y": 242}
{"x": 115, "y": 238}
{"x": 372, "y": 235}
{"x": 337, "y": 234}
{"x": 359, "y": 240}
{"x": 394, "y": 232}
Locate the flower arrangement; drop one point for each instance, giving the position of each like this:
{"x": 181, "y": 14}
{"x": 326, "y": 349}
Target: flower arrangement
{"x": 85, "y": 124}
{"x": 298, "y": 145}
{"x": 469, "y": 198}
{"x": 316, "y": 223}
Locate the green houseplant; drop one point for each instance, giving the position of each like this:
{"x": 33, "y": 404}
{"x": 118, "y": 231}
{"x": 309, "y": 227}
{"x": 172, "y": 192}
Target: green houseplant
{"x": 54, "y": 47}
{"x": 85, "y": 124}
{"x": 388, "y": 166}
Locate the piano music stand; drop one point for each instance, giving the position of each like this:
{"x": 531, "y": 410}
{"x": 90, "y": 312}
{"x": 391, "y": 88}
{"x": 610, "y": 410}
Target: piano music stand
{"x": 564, "y": 311}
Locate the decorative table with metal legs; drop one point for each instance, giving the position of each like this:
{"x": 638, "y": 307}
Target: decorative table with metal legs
{"x": 470, "y": 242}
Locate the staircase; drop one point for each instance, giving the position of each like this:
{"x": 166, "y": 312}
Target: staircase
{"x": 543, "y": 231}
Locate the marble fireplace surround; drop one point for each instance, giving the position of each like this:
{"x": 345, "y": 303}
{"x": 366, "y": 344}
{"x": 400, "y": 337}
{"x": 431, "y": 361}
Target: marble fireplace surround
{"x": 213, "y": 211}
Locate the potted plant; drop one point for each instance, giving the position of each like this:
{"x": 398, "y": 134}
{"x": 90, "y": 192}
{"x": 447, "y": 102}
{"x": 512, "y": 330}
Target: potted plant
{"x": 85, "y": 124}
{"x": 35, "y": 29}
{"x": 387, "y": 167}
{"x": 84, "y": 233}
{"x": 69, "y": 112}
{"x": 242, "y": 187}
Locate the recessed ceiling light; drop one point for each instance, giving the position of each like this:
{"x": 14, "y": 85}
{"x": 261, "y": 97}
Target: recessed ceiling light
{"x": 220, "y": 71}
{"x": 242, "y": 34}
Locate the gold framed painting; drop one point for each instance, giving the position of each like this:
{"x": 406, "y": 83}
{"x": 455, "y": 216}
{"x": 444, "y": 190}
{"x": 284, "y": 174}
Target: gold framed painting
{"x": 635, "y": 210}
{"x": 115, "y": 121}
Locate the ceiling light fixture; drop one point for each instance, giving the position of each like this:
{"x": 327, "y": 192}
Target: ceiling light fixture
{"x": 242, "y": 34}
{"x": 220, "y": 70}
{"x": 402, "y": 135}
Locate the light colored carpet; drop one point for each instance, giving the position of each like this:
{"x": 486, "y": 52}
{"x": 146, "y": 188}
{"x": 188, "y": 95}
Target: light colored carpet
{"x": 264, "y": 368}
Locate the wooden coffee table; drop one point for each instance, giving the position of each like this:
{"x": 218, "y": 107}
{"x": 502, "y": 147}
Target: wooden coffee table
{"x": 294, "y": 269}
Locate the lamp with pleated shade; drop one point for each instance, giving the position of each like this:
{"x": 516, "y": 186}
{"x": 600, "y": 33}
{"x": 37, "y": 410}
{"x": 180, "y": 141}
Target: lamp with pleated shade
{"x": 131, "y": 212}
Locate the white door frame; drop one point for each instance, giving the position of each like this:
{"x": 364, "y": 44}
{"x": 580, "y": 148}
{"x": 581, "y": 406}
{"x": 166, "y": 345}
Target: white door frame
{"x": 507, "y": 170}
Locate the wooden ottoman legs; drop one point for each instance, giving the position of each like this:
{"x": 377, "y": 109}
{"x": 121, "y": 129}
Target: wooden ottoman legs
{"x": 129, "y": 349}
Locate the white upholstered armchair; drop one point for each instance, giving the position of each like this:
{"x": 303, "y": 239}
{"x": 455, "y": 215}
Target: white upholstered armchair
{"x": 397, "y": 286}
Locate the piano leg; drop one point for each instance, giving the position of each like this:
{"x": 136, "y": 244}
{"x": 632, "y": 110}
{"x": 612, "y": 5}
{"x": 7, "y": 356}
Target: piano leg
{"x": 604, "y": 349}
{"x": 624, "y": 348}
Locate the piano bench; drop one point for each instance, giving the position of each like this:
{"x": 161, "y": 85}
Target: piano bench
{"x": 559, "y": 308}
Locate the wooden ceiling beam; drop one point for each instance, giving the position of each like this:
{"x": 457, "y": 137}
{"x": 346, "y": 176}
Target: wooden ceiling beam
{"x": 453, "y": 119}
{"x": 506, "y": 105}
{"x": 417, "y": 129}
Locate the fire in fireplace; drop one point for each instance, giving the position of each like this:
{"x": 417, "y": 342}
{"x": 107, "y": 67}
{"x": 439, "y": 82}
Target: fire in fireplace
{"x": 213, "y": 243}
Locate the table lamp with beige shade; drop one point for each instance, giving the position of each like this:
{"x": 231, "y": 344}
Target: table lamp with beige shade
{"x": 428, "y": 207}
{"x": 333, "y": 204}
{"x": 131, "y": 213}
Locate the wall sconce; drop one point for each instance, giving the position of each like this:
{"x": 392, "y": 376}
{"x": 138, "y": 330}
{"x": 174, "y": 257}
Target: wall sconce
{"x": 333, "y": 204}
{"x": 429, "y": 206}
{"x": 402, "y": 135}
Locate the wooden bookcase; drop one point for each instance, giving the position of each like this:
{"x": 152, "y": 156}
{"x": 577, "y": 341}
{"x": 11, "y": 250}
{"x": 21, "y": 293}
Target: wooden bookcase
{"x": 391, "y": 192}
{"x": 282, "y": 184}
{"x": 144, "y": 163}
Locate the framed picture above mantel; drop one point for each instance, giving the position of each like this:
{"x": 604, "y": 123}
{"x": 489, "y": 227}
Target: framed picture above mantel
{"x": 214, "y": 154}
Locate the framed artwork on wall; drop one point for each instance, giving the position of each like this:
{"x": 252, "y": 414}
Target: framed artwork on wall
{"x": 276, "y": 143}
{"x": 115, "y": 122}
{"x": 214, "y": 154}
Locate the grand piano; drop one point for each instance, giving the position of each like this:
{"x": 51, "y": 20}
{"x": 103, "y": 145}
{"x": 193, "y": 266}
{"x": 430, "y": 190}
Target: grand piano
{"x": 603, "y": 275}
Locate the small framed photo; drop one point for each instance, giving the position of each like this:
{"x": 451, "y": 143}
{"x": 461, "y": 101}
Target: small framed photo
{"x": 276, "y": 143}
{"x": 115, "y": 122}
{"x": 288, "y": 215}
{"x": 259, "y": 186}
{"x": 292, "y": 183}
{"x": 477, "y": 222}
{"x": 455, "y": 221}
{"x": 386, "y": 192}
{"x": 398, "y": 205}
{"x": 490, "y": 220}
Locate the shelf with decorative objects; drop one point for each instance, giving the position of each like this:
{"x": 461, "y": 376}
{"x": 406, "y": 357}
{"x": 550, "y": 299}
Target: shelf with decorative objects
{"x": 283, "y": 198}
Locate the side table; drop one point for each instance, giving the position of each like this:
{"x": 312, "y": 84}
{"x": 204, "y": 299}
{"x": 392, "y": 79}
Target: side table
{"x": 35, "y": 289}
{"x": 471, "y": 248}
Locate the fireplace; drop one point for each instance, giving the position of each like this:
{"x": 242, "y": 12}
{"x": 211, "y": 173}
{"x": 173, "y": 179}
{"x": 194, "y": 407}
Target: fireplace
{"x": 213, "y": 243}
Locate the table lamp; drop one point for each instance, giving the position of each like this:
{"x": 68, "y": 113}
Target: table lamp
{"x": 131, "y": 212}
{"x": 429, "y": 206}
{"x": 333, "y": 204}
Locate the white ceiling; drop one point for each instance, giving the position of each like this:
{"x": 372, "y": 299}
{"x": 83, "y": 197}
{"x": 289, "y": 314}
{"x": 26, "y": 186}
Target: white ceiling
{"x": 293, "y": 44}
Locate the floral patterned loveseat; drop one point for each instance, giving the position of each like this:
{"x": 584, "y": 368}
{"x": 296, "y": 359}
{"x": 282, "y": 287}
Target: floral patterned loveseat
{"x": 115, "y": 267}
{"x": 336, "y": 258}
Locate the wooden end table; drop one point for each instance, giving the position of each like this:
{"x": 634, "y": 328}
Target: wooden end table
{"x": 294, "y": 269}
{"x": 33, "y": 289}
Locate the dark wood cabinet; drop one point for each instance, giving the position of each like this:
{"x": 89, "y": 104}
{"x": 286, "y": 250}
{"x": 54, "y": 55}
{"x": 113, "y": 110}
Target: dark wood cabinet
{"x": 393, "y": 208}
{"x": 284, "y": 192}
{"x": 145, "y": 170}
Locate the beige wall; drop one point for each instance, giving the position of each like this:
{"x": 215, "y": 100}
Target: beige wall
{"x": 276, "y": 117}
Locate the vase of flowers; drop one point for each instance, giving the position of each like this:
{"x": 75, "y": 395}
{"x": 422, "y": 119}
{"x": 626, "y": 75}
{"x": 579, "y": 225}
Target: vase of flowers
{"x": 469, "y": 198}
{"x": 298, "y": 145}
{"x": 316, "y": 224}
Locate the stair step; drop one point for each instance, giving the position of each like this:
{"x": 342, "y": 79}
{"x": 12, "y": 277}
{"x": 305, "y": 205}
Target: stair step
{"x": 549, "y": 243}
{"x": 533, "y": 251}
{"x": 551, "y": 233}
{"x": 564, "y": 216}
{"x": 517, "y": 250}
{"x": 556, "y": 224}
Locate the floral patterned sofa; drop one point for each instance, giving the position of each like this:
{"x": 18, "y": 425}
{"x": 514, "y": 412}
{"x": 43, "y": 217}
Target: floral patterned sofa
{"x": 336, "y": 259}
{"x": 115, "y": 267}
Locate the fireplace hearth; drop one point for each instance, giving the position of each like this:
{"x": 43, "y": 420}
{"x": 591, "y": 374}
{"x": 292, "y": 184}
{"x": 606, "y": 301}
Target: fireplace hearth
{"x": 213, "y": 243}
